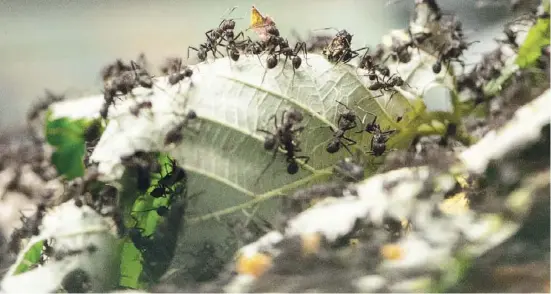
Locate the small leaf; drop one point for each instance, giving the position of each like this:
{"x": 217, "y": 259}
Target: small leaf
{"x": 31, "y": 257}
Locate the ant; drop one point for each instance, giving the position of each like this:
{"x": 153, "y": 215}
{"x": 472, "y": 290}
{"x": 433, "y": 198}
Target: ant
{"x": 293, "y": 53}
{"x": 161, "y": 210}
{"x": 349, "y": 170}
{"x": 232, "y": 47}
{"x": 285, "y": 137}
{"x": 43, "y": 104}
{"x": 175, "y": 135}
{"x": 211, "y": 45}
{"x": 345, "y": 122}
{"x": 379, "y": 138}
{"x": 452, "y": 53}
{"x": 339, "y": 50}
{"x": 176, "y": 174}
{"x": 144, "y": 163}
{"x": 173, "y": 68}
{"x": 135, "y": 109}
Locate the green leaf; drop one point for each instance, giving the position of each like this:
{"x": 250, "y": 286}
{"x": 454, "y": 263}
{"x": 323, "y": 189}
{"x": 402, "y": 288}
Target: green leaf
{"x": 68, "y": 160}
{"x": 138, "y": 213}
{"x": 67, "y": 136}
{"x": 537, "y": 37}
{"x": 31, "y": 258}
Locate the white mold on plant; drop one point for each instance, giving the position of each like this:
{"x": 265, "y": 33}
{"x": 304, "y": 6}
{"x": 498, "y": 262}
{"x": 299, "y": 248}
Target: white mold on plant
{"x": 82, "y": 242}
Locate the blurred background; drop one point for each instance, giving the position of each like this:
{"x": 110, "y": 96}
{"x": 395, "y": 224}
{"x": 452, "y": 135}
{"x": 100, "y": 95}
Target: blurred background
{"x": 62, "y": 45}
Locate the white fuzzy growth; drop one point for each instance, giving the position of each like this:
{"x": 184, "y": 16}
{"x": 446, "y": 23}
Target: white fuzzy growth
{"x": 523, "y": 129}
{"x": 72, "y": 229}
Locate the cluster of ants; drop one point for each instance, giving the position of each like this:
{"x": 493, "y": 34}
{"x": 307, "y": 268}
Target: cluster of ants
{"x": 285, "y": 136}
{"x": 274, "y": 45}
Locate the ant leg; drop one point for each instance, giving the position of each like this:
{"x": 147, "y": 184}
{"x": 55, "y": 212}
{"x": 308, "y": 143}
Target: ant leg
{"x": 284, "y": 63}
{"x": 303, "y": 46}
{"x": 304, "y": 157}
{"x": 274, "y": 155}
{"x": 193, "y": 48}
{"x": 346, "y": 147}
{"x": 240, "y": 34}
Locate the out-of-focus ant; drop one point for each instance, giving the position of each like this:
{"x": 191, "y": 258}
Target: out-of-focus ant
{"x": 175, "y": 134}
{"x": 138, "y": 107}
{"x": 173, "y": 68}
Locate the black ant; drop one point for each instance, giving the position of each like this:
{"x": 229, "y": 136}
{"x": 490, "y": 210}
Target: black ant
{"x": 30, "y": 227}
{"x": 173, "y": 68}
{"x": 345, "y": 122}
{"x": 379, "y": 138}
{"x": 293, "y": 53}
{"x": 211, "y": 45}
{"x": 285, "y": 138}
{"x": 176, "y": 175}
{"x": 161, "y": 210}
{"x": 175, "y": 135}
{"x": 339, "y": 50}
{"x": 135, "y": 109}
{"x": 144, "y": 163}
{"x": 43, "y": 104}
{"x": 452, "y": 53}
{"x": 141, "y": 75}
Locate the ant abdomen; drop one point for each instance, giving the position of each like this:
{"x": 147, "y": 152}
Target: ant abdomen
{"x": 271, "y": 61}
{"x": 292, "y": 168}
{"x": 333, "y": 146}
{"x": 297, "y": 61}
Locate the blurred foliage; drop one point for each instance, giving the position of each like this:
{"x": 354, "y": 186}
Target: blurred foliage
{"x": 31, "y": 258}
{"x": 67, "y": 136}
{"x": 538, "y": 37}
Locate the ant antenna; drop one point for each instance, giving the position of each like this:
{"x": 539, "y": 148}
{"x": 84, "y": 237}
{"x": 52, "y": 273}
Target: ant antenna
{"x": 329, "y": 28}
{"x": 228, "y": 12}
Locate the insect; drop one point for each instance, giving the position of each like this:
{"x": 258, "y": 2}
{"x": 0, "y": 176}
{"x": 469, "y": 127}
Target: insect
{"x": 43, "y": 104}
{"x": 135, "y": 109}
{"x": 345, "y": 122}
{"x": 173, "y": 68}
{"x": 452, "y": 53}
{"x": 175, "y": 135}
{"x": 292, "y": 53}
{"x": 315, "y": 42}
{"x": 285, "y": 137}
{"x": 339, "y": 50}
{"x": 349, "y": 170}
{"x": 379, "y": 138}
{"x": 144, "y": 164}
{"x": 233, "y": 47}
{"x": 176, "y": 174}
{"x": 210, "y": 46}
{"x": 141, "y": 75}
{"x": 161, "y": 210}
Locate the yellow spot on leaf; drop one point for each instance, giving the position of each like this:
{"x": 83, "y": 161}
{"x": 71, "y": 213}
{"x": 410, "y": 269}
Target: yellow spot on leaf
{"x": 311, "y": 244}
{"x": 254, "y": 265}
{"x": 392, "y": 252}
{"x": 456, "y": 204}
